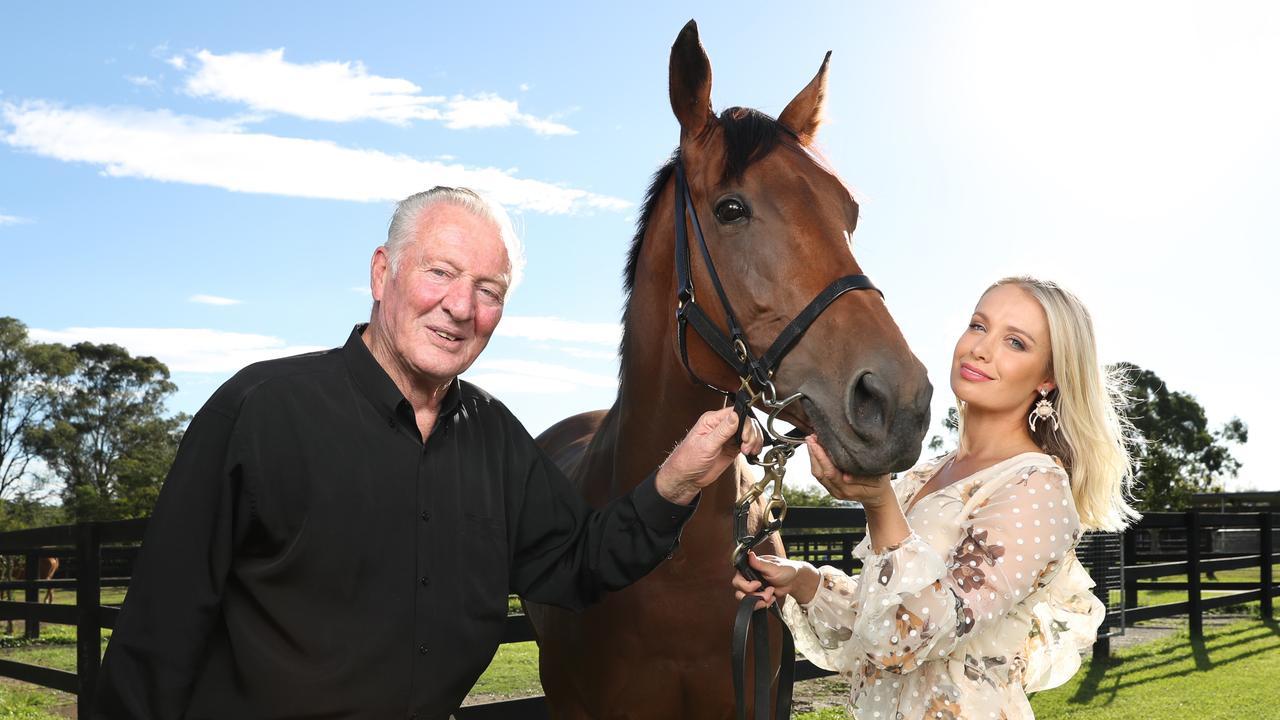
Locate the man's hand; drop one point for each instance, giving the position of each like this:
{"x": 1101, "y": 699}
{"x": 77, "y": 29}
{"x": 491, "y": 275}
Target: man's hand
{"x": 703, "y": 454}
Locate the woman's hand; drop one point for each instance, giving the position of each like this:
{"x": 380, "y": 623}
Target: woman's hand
{"x": 873, "y": 492}
{"x": 784, "y": 577}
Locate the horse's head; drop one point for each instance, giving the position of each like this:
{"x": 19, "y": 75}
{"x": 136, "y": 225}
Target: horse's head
{"x": 778, "y": 223}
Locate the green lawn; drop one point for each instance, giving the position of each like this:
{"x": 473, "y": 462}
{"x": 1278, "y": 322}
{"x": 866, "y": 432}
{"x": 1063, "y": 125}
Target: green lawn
{"x": 1230, "y": 674}
{"x": 1160, "y": 597}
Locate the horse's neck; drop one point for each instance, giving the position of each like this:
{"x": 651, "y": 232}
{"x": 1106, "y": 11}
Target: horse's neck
{"x": 656, "y": 407}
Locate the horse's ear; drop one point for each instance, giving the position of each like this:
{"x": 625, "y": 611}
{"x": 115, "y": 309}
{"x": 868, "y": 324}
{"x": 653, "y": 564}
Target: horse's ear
{"x": 690, "y": 82}
{"x": 803, "y": 114}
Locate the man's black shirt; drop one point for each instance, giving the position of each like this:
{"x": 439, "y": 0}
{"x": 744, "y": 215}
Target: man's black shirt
{"x": 311, "y": 556}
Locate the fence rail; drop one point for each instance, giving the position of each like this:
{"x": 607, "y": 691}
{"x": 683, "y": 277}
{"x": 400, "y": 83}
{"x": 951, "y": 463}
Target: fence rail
{"x": 1116, "y": 563}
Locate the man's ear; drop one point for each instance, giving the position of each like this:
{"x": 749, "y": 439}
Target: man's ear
{"x": 379, "y": 272}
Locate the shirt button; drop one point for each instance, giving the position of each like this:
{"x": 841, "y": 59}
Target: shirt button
{"x": 422, "y": 649}
{"x": 425, "y": 581}
{"x": 391, "y": 421}
{"x": 426, "y": 516}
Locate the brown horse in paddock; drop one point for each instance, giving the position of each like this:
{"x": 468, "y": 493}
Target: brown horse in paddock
{"x": 777, "y": 222}
{"x": 15, "y": 569}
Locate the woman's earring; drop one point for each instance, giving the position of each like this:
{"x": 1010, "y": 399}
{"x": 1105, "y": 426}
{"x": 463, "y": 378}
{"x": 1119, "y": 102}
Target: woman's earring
{"x": 1043, "y": 410}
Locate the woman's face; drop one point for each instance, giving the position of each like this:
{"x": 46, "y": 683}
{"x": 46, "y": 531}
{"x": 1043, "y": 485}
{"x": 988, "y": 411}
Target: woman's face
{"x": 1002, "y": 360}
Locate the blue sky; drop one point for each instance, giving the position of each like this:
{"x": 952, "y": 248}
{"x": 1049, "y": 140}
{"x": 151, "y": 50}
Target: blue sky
{"x": 206, "y": 184}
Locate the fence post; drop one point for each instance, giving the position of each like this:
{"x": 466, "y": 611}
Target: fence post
{"x": 1193, "y": 575}
{"x": 31, "y": 624}
{"x": 1129, "y": 555}
{"x": 1267, "y": 548}
{"x": 88, "y": 613}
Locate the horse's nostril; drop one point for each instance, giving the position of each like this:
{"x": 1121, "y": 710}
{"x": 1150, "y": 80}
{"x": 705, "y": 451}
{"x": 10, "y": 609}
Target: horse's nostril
{"x": 869, "y": 406}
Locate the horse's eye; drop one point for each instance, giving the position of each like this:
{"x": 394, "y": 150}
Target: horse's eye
{"x": 731, "y": 210}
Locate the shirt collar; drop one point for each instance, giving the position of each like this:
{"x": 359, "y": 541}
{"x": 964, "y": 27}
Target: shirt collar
{"x": 378, "y": 386}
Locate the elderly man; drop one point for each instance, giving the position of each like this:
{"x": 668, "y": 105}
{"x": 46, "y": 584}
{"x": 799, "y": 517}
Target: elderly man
{"x": 339, "y": 531}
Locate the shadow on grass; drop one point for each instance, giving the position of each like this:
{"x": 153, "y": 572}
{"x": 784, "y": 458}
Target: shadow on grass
{"x": 1122, "y": 672}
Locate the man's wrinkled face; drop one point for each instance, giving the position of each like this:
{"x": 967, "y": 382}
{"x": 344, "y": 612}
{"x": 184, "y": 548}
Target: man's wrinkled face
{"x": 441, "y": 306}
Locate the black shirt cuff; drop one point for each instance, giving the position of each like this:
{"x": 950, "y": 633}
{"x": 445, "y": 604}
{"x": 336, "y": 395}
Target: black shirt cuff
{"x": 658, "y": 513}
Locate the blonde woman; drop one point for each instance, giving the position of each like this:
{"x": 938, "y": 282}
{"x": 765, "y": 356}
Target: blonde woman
{"x": 971, "y": 595}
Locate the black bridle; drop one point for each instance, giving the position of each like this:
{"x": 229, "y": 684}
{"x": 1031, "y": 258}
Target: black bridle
{"x": 755, "y": 375}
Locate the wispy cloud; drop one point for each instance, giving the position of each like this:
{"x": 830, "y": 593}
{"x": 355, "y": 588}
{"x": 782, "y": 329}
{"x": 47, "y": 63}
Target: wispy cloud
{"x": 524, "y": 376}
{"x": 183, "y": 349}
{"x": 362, "y": 290}
{"x": 160, "y": 145}
{"x": 346, "y": 91}
{"x": 141, "y": 80}
{"x": 539, "y": 327}
{"x": 13, "y": 220}
{"x": 487, "y": 110}
{"x": 177, "y": 61}
{"x": 213, "y": 300}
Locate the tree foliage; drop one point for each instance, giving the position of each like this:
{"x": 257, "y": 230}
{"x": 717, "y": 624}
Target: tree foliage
{"x": 31, "y": 377}
{"x": 1179, "y": 455}
{"x": 106, "y": 435}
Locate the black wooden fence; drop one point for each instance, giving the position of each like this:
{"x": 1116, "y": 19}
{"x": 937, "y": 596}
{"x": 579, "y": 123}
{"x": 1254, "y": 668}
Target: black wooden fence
{"x": 99, "y": 555}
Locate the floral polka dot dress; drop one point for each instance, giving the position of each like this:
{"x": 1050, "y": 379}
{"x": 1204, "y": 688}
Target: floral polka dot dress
{"x": 984, "y": 602}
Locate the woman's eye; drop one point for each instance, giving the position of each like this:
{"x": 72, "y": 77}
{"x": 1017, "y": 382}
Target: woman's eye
{"x": 731, "y": 210}
{"x": 1017, "y": 344}
{"x": 976, "y": 326}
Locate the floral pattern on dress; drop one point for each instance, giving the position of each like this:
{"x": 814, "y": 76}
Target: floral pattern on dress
{"x": 983, "y": 601}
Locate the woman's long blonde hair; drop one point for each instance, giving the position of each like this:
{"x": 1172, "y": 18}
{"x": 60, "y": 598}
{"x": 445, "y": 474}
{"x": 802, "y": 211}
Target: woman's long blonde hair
{"x": 1094, "y": 438}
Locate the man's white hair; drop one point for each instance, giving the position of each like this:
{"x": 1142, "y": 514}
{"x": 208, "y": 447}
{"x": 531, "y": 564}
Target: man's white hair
{"x": 404, "y": 223}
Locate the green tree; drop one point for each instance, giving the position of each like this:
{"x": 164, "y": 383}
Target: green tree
{"x": 1180, "y": 454}
{"x": 951, "y": 423}
{"x": 32, "y": 375}
{"x": 807, "y": 497}
{"x": 109, "y": 439}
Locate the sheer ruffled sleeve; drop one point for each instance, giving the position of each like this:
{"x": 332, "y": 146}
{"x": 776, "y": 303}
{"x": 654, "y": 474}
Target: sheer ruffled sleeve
{"x": 913, "y": 603}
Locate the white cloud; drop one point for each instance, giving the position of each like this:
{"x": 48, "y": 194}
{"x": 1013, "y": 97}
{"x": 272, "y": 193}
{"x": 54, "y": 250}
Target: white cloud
{"x": 586, "y": 354}
{"x": 213, "y": 300}
{"x": 524, "y": 376}
{"x": 177, "y": 61}
{"x": 141, "y": 80}
{"x": 13, "y": 220}
{"x": 346, "y": 91}
{"x": 333, "y": 91}
{"x": 487, "y": 110}
{"x": 183, "y": 349}
{"x": 536, "y": 327}
{"x": 160, "y": 145}
{"x": 362, "y": 290}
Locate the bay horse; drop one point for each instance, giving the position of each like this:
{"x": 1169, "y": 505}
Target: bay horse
{"x": 777, "y": 222}
{"x": 15, "y": 569}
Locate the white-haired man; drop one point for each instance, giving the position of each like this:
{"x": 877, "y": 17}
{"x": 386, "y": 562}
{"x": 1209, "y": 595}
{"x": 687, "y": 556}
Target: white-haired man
{"x": 340, "y": 531}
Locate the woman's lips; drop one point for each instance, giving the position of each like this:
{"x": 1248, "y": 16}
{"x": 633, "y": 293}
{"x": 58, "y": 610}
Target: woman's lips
{"x": 969, "y": 372}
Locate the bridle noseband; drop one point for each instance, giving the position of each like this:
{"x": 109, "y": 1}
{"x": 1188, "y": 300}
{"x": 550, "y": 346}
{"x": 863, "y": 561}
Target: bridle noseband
{"x": 755, "y": 375}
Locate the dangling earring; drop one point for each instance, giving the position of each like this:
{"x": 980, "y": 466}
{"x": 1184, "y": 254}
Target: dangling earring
{"x": 1043, "y": 410}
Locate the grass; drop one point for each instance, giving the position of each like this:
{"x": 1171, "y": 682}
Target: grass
{"x": 1230, "y": 674}
{"x": 1224, "y": 676}
{"x": 19, "y": 701}
{"x": 513, "y": 673}
{"x": 1160, "y": 597}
